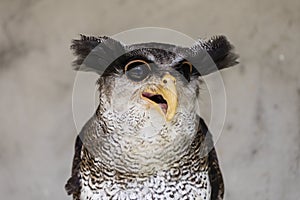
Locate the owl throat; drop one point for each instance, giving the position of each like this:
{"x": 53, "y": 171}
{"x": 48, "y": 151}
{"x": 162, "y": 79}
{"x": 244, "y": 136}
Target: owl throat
{"x": 138, "y": 141}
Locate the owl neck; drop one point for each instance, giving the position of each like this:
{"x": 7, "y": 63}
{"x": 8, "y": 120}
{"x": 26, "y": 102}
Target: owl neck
{"x": 128, "y": 156}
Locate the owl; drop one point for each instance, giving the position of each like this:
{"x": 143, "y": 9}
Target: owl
{"x": 146, "y": 139}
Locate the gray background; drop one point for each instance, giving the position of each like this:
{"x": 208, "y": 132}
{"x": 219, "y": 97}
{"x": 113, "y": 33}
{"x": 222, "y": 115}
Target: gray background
{"x": 259, "y": 149}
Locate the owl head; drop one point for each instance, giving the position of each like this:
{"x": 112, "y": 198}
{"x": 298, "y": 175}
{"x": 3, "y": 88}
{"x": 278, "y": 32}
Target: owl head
{"x": 148, "y": 95}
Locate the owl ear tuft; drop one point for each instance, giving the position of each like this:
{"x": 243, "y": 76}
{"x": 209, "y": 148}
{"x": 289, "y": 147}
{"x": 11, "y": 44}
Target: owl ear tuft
{"x": 219, "y": 50}
{"x": 95, "y": 53}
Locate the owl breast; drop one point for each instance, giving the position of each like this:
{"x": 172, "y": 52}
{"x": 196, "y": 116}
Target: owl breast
{"x": 140, "y": 144}
{"x": 164, "y": 185}
{"x": 185, "y": 176}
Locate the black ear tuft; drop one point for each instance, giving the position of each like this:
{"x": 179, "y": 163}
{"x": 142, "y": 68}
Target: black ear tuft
{"x": 83, "y": 47}
{"x": 221, "y": 51}
{"x": 212, "y": 55}
{"x": 95, "y": 53}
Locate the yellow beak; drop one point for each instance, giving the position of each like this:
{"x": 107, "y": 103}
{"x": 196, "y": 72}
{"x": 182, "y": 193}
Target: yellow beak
{"x": 163, "y": 97}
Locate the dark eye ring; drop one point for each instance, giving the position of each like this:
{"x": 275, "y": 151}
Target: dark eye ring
{"x": 137, "y": 70}
{"x": 189, "y": 64}
{"x": 186, "y": 69}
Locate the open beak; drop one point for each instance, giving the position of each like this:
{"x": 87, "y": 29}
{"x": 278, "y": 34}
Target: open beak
{"x": 163, "y": 97}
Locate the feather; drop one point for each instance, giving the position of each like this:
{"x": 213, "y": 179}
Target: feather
{"x": 214, "y": 171}
{"x": 73, "y": 184}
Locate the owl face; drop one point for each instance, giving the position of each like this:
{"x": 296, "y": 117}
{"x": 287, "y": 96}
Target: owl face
{"x": 151, "y": 98}
{"x": 148, "y": 97}
{"x": 144, "y": 80}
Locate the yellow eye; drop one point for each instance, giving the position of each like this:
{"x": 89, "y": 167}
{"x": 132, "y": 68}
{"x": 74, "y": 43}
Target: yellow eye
{"x": 137, "y": 70}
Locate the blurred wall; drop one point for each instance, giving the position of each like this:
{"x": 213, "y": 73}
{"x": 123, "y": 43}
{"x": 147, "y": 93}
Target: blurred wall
{"x": 259, "y": 148}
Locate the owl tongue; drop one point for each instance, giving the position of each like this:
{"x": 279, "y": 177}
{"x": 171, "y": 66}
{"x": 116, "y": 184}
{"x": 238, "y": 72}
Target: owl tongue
{"x": 164, "y": 107}
{"x": 157, "y": 98}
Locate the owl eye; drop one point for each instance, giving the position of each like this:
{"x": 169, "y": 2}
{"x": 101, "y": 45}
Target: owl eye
{"x": 186, "y": 69}
{"x": 137, "y": 70}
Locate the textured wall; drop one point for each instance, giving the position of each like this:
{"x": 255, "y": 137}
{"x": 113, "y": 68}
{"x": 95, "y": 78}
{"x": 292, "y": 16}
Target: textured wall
{"x": 259, "y": 148}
